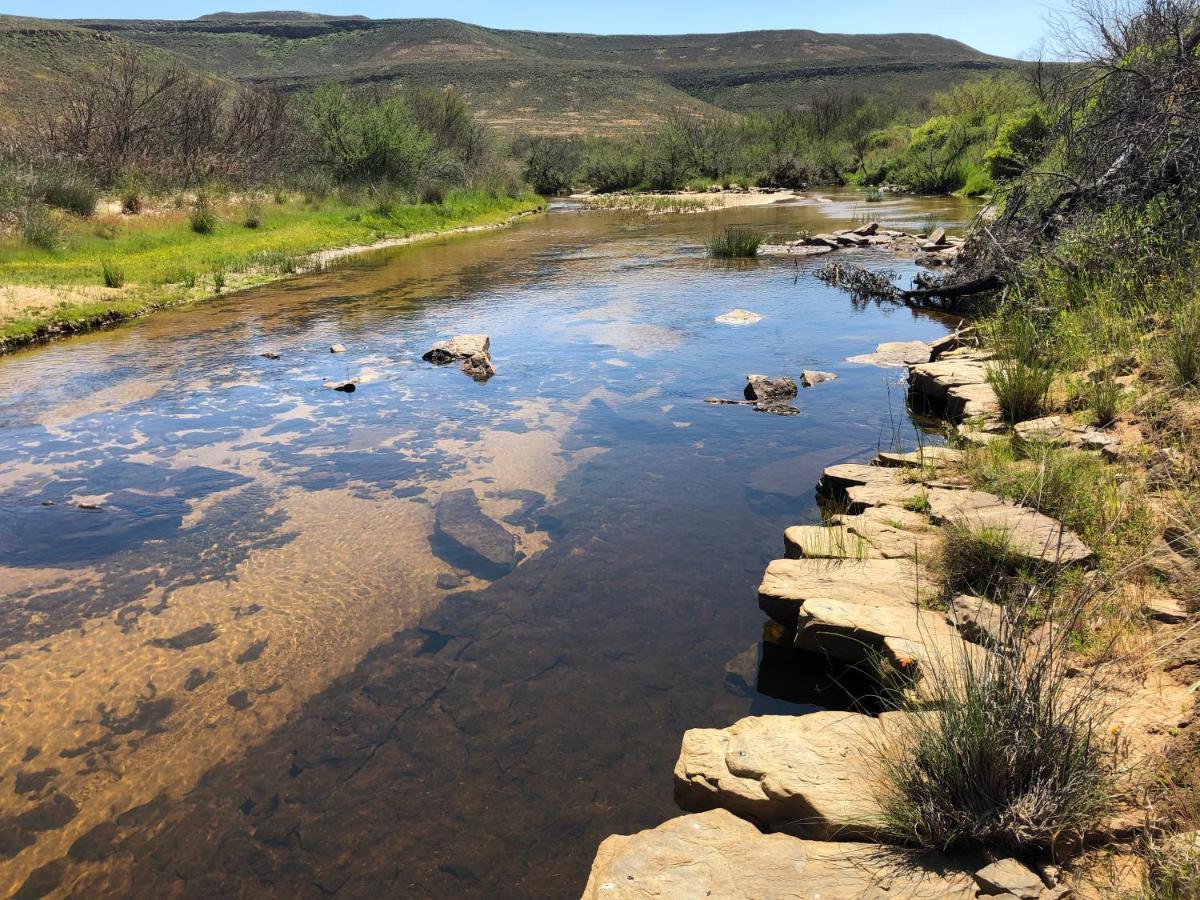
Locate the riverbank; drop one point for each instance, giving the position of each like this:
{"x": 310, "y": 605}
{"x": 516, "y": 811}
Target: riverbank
{"x": 1064, "y": 545}
{"x": 674, "y": 202}
{"x": 111, "y": 268}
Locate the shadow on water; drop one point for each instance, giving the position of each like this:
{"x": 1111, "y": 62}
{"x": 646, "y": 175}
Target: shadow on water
{"x": 294, "y": 673}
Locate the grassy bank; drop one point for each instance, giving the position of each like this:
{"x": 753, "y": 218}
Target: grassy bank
{"x": 158, "y": 259}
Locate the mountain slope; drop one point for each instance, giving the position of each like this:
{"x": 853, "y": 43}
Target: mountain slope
{"x": 523, "y": 80}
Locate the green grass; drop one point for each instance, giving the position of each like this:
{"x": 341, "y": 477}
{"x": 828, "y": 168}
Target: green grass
{"x": 114, "y": 275}
{"x": 160, "y": 255}
{"x": 735, "y": 243}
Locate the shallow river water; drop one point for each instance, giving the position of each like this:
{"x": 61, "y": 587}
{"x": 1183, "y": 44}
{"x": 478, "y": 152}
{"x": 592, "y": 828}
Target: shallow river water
{"x": 236, "y": 660}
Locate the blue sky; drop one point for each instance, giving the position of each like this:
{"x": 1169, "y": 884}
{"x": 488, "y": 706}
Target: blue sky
{"x": 1006, "y": 27}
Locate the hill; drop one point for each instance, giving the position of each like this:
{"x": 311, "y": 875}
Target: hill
{"x": 518, "y": 80}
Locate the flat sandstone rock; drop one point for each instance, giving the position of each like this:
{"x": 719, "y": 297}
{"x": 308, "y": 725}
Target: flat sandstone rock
{"x": 811, "y": 775}
{"x": 717, "y": 856}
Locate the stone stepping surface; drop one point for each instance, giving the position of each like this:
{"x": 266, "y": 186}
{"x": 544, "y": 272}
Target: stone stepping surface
{"x": 1033, "y": 535}
{"x": 957, "y": 383}
{"x": 789, "y": 583}
{"x": 808, "y": 775}
{"x": 718, "y": 855}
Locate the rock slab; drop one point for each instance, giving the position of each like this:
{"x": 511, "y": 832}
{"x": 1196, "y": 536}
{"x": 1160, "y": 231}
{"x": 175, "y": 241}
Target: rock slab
{"x": 717, "y": 855}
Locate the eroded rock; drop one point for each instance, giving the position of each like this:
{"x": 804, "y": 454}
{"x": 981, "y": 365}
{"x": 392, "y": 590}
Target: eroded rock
{"x": 1009, "y": 876}
{"x": 895, "y": 354}
{"x": 789, "y": 583}
{"x": 738, "y": 317}
{"x": 771, "y": 394}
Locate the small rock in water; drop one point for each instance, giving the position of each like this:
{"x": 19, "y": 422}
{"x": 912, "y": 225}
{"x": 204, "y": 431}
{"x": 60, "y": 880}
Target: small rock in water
{"x": 771, "y": 395}
{"x": 738, "y": 317}
{"x": 808, "y": 377}
{"x": 270, "y": 354}
{"x": 761, "y": 388}
{"x": 473, "y": 349}
{"x": 346, "y": 387}
{"x": 88, "y": 505}
{"x": 337, "y": 348}
{"x": 47, "y": 503}
{"x": 937, "y": 236}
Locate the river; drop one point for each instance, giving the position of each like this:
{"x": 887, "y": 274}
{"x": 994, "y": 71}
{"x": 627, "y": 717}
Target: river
{"x": 235, "y": 659}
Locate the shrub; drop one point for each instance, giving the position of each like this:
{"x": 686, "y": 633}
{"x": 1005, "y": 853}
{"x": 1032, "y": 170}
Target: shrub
{"x": 71, "y": 194}
{"x": 1015, "y": 756}
{"x": 38, "y": 226}
{"x": 433, "y": 192}
{"x": 734, "y": 243}
{"x": 131, "y": 203}
{"x": 202, "y": 217}
{"x": 368, "y": 136}
{"x": 114, "y": 276}
{"x": 1183, "y": 344}
{"x": 874, "y": 195}
{"x": 253, "y": 217}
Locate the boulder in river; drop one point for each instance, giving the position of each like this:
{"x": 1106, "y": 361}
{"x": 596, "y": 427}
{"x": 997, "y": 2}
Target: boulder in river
{"x": 337, "y": 348}
{"x": 810, "y": 377}
{"x": 472, "y": 539}
{"x": 474, "y": 350}
{"x": 771, "y": 394}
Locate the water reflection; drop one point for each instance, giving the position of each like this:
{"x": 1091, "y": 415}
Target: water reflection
{"x": 238, "y": 657}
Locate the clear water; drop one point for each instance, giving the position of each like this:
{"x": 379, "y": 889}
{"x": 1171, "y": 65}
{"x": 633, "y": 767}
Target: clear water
{"x": 253, "y": 670}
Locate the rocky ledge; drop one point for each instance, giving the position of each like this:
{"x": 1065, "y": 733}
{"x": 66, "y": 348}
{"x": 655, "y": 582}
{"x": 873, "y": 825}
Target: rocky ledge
{"x": 933, "y": 249}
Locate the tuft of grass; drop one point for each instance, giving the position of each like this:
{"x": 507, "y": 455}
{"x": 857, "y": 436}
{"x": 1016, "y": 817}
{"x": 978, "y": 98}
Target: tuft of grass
{"x": 114, "y": 276}
{"x": 734, "y": 243}
{"x": 253, "y": 218}
{"x": 1172, "y": 869}
{"x": 132, "y": 203}
{"x": 202, "y": 218}
{"x": 1183, "y": 344}
{"x": 979, "y": 560}
{"x": 218, "y": 280}
{"x": 1021, "y": 376}
{"x": 1103, "y": 394}
{"x": 918, "y": 503}
{"x": 873, "y": 195}
{"x": 1014, "y": 759}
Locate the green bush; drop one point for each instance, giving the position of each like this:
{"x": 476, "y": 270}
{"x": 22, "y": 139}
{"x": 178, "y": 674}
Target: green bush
{"x": 1020, "y": 142}
{"x": 734, "y": 243}
{"x": 253, "y": 218}
{"x": 114, "y": 276}
{"x": 38, "y": 226}
{"x": 368, "y": 136}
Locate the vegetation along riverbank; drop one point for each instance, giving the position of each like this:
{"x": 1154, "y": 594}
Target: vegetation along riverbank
{"x": 1024, "y": 593}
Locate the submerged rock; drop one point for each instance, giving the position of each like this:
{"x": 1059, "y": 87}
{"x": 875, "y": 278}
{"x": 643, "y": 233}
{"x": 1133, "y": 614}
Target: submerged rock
{"x": 346, "y": 387}
{"x": 474, "y": 350}
{"x": 270, "y": 354}
{"x": 738, "y": 317}
{"x": 479, "y": 543}
{"x": 895, "y": 354}
{"x": 717, "y": 855}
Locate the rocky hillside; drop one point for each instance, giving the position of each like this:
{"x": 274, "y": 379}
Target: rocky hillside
{"x": 514, "y": 79}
